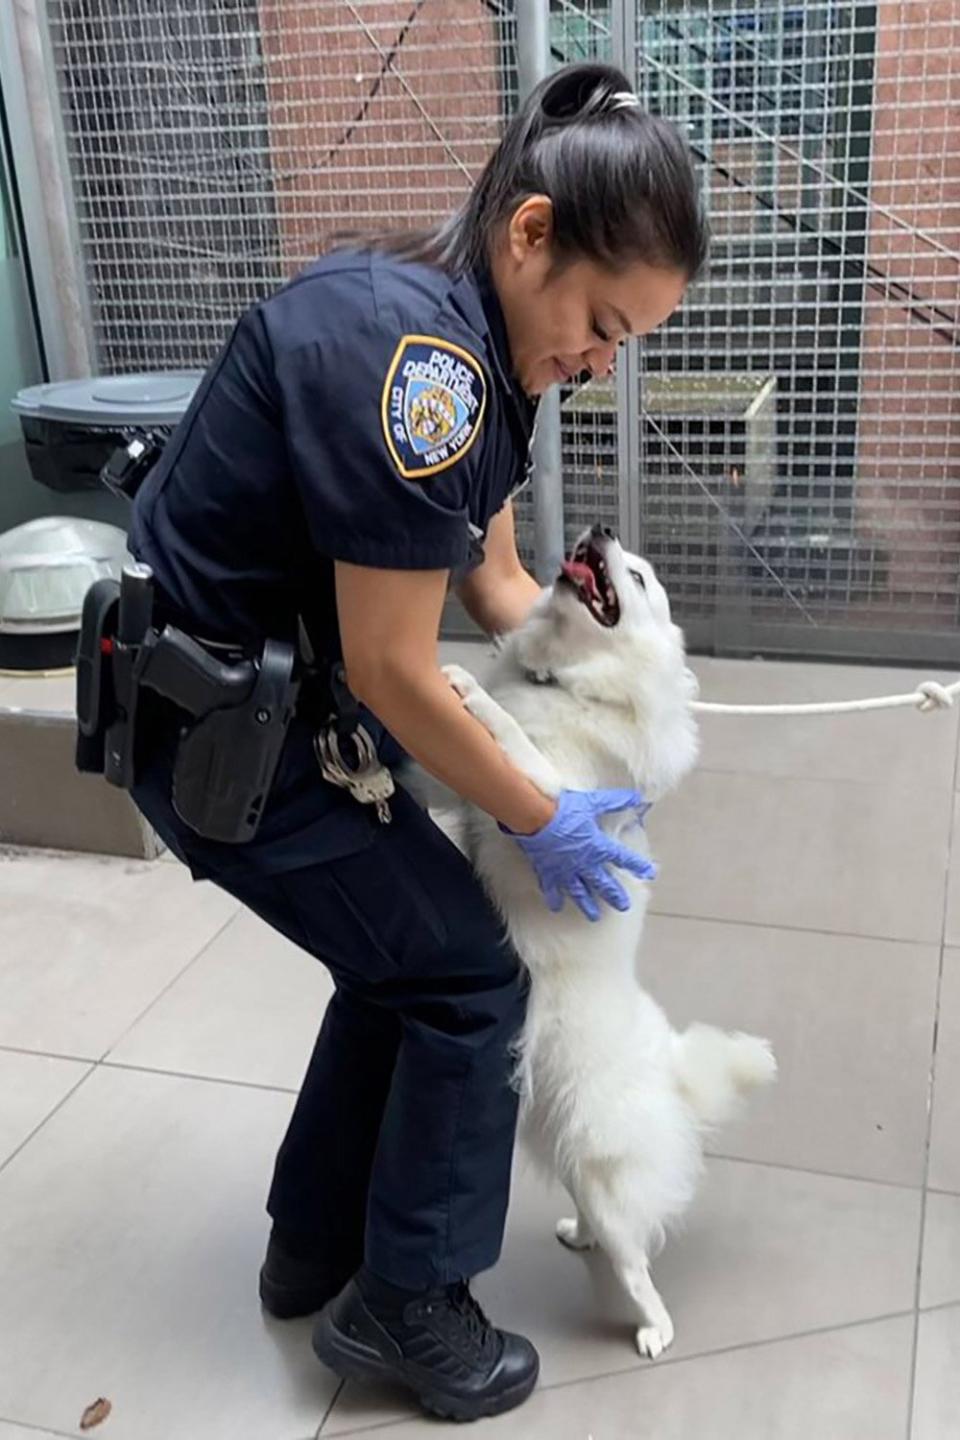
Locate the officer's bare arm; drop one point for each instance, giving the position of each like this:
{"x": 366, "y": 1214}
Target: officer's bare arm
{"x": 389, "y": 622}
{"x": 499, "y": 593}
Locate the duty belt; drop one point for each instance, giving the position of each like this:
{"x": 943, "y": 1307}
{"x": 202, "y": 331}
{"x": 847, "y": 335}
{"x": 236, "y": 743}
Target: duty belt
{"x": 239, "y": 710}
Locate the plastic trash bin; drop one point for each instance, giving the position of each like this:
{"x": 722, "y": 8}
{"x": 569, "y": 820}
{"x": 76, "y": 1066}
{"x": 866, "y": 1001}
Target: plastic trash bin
{"x": 72, "y": 427}
{"x": 46, "y": 568}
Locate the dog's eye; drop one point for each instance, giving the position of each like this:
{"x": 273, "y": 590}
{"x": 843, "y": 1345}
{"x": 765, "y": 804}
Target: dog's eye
{"x": 639, "y": 579}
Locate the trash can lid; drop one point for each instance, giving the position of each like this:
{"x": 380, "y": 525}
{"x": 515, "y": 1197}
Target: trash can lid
{"x": 159, "y": 398}
{"x": 48, "y": 565}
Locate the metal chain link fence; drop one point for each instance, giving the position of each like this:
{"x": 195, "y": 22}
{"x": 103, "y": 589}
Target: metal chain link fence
{"x": 786, "y": 449}
{"x": 812, "y": 381}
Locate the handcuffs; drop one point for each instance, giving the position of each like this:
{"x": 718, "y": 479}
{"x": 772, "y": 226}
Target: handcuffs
{"x": 369, "y": 781}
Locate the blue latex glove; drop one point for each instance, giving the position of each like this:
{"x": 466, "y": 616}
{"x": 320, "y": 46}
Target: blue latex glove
{"x": 570, "y": 855}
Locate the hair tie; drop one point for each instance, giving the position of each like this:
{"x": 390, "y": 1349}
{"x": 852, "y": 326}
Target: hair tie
{"x": 624, "y": 100}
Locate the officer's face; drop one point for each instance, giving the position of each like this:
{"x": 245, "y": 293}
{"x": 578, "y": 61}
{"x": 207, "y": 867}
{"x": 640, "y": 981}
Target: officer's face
{"x": 561, "y": 321}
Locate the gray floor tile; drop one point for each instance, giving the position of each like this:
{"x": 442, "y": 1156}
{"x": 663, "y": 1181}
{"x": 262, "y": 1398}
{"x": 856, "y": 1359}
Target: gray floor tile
{"x": 940, "y": 1275}
{"x": 952, "y": 931}
{"x": 248, "y": 1009}
{"x": 766, "y": 1253}
{"x": 131, "y": 1230}
{"x": 814, "y": 854}
{"x": 945, "y": 1132}
{"x": 131, "y": 1224}
{"x": 87, "y": 943}
{"x": 936, "y": 1401}
{"x": 22, "y": 1432}
{"x": 892, "y": 745}
{"x": 838, "y": 1105}
{"x": 30, "y": 1087}
{"x": 846, "y": 1385}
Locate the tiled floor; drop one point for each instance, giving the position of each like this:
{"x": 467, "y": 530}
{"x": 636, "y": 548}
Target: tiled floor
{"x": 152, "y": 1036}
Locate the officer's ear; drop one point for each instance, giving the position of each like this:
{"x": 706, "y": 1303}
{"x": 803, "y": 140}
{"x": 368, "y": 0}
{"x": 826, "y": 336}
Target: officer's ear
{"x": 530, "y": 231}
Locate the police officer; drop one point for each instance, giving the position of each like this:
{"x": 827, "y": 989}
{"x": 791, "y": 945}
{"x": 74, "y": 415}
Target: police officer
{"x": 355, "y": 446}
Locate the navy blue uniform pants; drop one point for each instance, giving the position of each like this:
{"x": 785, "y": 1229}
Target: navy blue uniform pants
{"x": 400, "y": 1144}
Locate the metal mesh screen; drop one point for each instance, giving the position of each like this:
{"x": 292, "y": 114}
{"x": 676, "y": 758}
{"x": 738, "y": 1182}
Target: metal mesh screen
{"x": 822, "y": 343}
{"x": 787, "y": 449}
{"x": 589, "y": 442}
{"x": 216, "y": 145}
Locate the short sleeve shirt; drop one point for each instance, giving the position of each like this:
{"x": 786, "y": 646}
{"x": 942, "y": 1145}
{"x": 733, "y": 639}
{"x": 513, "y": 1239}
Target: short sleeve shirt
{"x": 364, "y": 413}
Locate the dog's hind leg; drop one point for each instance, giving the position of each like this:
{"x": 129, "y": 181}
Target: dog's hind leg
{"x": 625, "y": 1244}
{"x": 656, "y": 1330}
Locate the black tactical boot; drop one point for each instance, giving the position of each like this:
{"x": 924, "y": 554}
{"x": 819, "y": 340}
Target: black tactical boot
{"x": 294, "y": 1283}
{"x": 438, "y": 1343}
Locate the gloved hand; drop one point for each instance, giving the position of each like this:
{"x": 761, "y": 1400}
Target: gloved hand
{"x": 570, "y": 855}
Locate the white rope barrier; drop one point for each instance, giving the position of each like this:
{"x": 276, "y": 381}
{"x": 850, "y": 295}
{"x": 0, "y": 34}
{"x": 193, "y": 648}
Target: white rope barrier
{"x": 929, "y": 696}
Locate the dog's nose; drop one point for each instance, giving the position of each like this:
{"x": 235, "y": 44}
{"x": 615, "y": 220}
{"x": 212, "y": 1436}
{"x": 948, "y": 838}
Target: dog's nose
{"x": 599, "y": 530}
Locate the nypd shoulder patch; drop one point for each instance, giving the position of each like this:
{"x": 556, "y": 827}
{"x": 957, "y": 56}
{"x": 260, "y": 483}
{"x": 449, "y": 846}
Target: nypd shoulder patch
{"x": 433, "y": 401}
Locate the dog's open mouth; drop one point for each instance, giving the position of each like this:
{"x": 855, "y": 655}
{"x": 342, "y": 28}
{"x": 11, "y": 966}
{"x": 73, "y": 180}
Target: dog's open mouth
{"x": 586, "y": 571}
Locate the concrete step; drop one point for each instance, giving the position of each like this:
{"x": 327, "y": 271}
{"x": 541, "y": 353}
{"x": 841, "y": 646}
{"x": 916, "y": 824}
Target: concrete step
{"x": 44, "y": 801}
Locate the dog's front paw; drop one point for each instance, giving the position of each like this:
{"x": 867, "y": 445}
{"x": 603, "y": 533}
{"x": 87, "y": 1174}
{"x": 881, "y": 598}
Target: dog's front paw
{"x": 572, "y": 1234}
{"x": 652, "y": 1340}
{"x": 461, "y": 680}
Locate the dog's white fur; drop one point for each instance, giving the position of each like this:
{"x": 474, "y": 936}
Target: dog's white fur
{"x": 614, "y": 1101}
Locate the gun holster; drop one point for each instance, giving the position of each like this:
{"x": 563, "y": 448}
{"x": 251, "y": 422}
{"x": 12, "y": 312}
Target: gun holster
{"x": 227, "y": 757}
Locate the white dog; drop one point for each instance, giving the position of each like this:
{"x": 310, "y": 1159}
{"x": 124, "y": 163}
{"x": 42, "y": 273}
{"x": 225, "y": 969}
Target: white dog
{"x": 593, "y": 692}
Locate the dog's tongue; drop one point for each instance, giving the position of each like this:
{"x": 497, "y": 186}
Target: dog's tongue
{"x": 580, "y": 573}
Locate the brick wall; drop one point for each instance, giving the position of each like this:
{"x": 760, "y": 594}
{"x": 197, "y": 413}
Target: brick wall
{"x": 399, "y": 167}
{"x": 908, "y": 491}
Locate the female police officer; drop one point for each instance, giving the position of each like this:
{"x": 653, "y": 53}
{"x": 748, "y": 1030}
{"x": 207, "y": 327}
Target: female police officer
{"x": 355, "y": 444}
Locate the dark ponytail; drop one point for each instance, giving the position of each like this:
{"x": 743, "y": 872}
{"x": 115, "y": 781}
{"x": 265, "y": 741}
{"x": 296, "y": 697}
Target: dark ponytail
{"x": 621, "y": 182}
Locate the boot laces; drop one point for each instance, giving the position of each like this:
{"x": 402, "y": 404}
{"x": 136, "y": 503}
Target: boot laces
{"x": 477, "y": 1326}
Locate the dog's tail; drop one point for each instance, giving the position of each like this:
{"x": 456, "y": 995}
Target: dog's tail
{"x": 715, "y": 1069}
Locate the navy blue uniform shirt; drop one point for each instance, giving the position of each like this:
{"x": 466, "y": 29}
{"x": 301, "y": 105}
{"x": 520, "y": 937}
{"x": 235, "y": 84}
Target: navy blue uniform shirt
{"x": 363, "y": 413}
